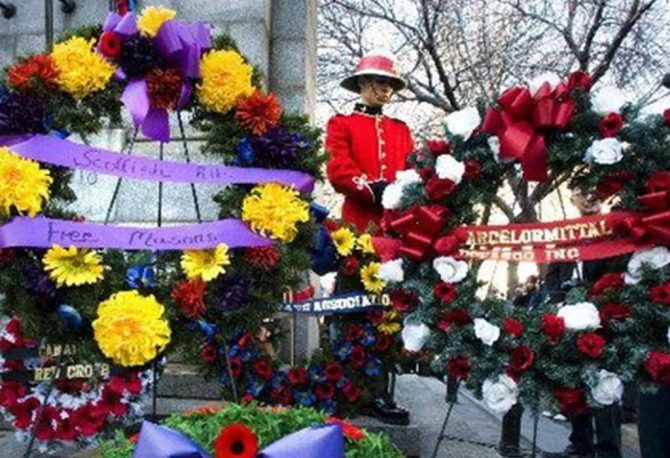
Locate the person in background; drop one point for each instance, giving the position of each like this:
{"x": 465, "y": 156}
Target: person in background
{"x": 529, "y": 290}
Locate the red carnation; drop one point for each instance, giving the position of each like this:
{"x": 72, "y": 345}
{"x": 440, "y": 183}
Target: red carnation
{"x": 236, "y": 441}
{"x": 352, "y": 392}
{"x": 89, "y": 420}
{"x": 258, "y": 112}
{"x": 553, "y": 327}
{"x": 263, "y": 368}
{"x": 458, "y": 367}
{"x": 444, "y": 246}
{"x": 350, "y": 266}
{"x": 384, "y": 341}
{"x": 437, "y": 189}
{"x": 209, "y": 353}
{"x": 324, "y": 391}
{"x": 426, "y": 173}
{"x": 236, "y": 366}
{"x": 23, "y": 412}
{"x": 607, "y": 283}
{"x": 334, "y": 372}
{"x": 357, "y": 356}
{"x": 297, "y": 376}
{"x": 46, "y": 427}
{"x": 438, "y": 146}
{"x": 32, "y": 72}
{"x": 513, "y": 327}
{"x": 445, "y": 292}
{"x": 189, "y": 295}
{"x": 610, "y": 125}
{"x": 613, "y": 311}
{"x": 263, "y": 257}
{"x": 473, "y": 168}
{"x": 457, "y": 317}
{"x": 129, "y": 383}
{"x": 521, "y": 359}
{"x": 403, "y": 301}
{"x": 660, "y": 294}
{"x": 666, "y": 117}
{"x": 657, "y": 366}
{"x": 353, "y": 332}
{"x": 110, "y": 44}
{"x": 591, "y": 344}
{"x": 350, "y": 431}
{"x": 659, "y": 181}
{"x": 571, "y": 400}
{"x": 579, "y": 80}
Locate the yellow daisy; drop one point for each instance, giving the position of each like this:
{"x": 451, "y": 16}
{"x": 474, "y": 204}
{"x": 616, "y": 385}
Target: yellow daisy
{"x": 131, "y": 329}
{"x": 370, "y": 278}
{"x": 364, "y": 243}
{"x": 23, "y": 184}
{"x": 152, "y": 18}
{"x": 205, "y": 264}
{"x": 389, "y": 327}
{"x": 344, "y": 241}
{"x": 74, "y": 266}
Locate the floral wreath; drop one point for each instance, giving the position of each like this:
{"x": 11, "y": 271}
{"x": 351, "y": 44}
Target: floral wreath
{"x": 576, "y": 354}
{"x": 128, "y": 307}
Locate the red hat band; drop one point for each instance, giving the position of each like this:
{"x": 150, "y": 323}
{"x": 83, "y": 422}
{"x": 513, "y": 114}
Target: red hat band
{"x": 377, "y": 63}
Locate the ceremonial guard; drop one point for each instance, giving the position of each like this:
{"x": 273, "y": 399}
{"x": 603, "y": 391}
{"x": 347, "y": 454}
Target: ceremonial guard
{"x": 366, "y": 147}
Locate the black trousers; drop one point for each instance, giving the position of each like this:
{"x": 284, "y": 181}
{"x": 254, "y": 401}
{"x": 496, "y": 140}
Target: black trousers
{"x": 607, "y": 432}
{"x": 654, "y": 424}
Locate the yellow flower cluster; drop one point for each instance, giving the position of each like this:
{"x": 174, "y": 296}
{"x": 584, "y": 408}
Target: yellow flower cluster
{"x": 344, "y": 241}
{"x": 364, "y": 243}
{"x": 370, "y": 278}
{"x": 389, "y": 324}
{"x": 274, "y": 210}
{"x": 205, "y": 264}
{"x": 23, "y": 184}
{"x": 131, "y": 329}
{"x": 152, "y": 18}
{"x": 73, "y": 267}
{"x": 81, "y": 70}
{"x": 226, "y": 78}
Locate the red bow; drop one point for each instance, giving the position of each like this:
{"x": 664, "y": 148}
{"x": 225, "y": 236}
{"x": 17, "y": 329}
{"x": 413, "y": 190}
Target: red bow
{"x": 520, "y": 119}
{"x": 649, "y": 227}
{"x": 418, "y": 228}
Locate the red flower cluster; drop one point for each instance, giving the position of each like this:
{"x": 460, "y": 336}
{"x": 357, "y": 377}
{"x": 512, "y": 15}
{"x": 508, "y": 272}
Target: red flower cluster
{"x": 259, "y": 112}
{"x": 608, "y": 283}
{"x": 591, "y": 344}
{"x": 438, "y": 146}
{"x": 352, "y": 392}
{"x": 350, "y": 266}
{"x": 263, "y": 367}
{"x": 265, "y": 258}
{"x": 657, "y": 366}
{"x": 521, "y": 359}
{"x": 458, "y": 367}
{"x": 236, "y": 441}
{"x": 572, "y": 401}
{"x": 580, "y": 80}
{"x": 403, "y": 301}
{"x": 660, "y": 294}
{"x": 33, "y": 72}
{"x": 297, "y": 376}
{"x": 334, "y": 372}
{"x": 439, "y": 188}
{"x": 456, "y": 317}
{"x": 445, "y": 292}
{"x": 445, "y": 246}
{"x": 553, "y": 327}
{"x": 164, "y": 88}
{"x": 110, "y": 44}
{"x": 189, "y": 296}
{"x": 473, "y": 168}
{"x": 612, "y": 311}
{"x": 610, "y": 125}
{"x": 513, "y": 327}
{"x": 350, "y": 431}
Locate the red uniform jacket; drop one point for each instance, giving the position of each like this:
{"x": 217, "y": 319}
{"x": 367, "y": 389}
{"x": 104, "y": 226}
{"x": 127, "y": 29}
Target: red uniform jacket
{"x": 363, "y": 149}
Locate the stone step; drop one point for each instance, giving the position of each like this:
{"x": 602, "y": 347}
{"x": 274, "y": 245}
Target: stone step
{"x": 183, "y": 381}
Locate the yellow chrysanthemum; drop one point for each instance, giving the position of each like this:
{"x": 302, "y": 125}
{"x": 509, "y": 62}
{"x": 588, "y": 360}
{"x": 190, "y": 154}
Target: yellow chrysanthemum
{"x": 364, "y": 243}
{"x": 389, "y": 327}
{"x": 370, "y": 278}
{"x": 81, "y": 70}
{"x": 23, "y": 184}
{"x": 205, "y": 264}
{"x": 73, "y": 267}
{"x": 274, "y": 210}
{"x": 131, "y": 329}
{"x": 344, "y": 241}
{"x": 152, "y": 18}
{"x": 226, "y": 78}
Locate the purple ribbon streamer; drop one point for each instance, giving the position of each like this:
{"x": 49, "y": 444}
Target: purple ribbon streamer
{"x": 45, "y": 232}
{"x": 62, "y": 152}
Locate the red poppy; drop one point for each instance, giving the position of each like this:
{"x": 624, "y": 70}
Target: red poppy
{"x": 189, "y": 296}
{"x": 352, "y": 392}
{"x": 659, "y": 181}
{"x": 258, "y": 112}
{"x": 473, "y": 168}
{"x": 209, "y": 353}
{"x": 350, "y": 431}
{"x": 607, "y": 283}
{"x": 553, "y": 327}
{"x": 513, "y": 327}
{"x": 445, "y": 292}
{"x": 110, "y": 44}
{"x": 660, "y": 294}
{"x": 571, "y": 400}
{"x": 236, "y": 441}
{"x": 437, "y": 189}
{"x": 591, "y": 344}
{"x": 324, "y": 391}
{"x": 579, "y": 80}
{"x": 444, "y": 246}
{"x": 657, "y": 366}
{"x": 263, "y": 257}
{"x": 297, "y": 376}
{"x": 350, "y": 266}
{"x": 263, "y": 368}
{"x": 334, "y": 372}
{"x": 610, "y": 125}
{"x": 521, "y": 359}
{"x": 458, "y": 367}
{"x": 438, "y": 146}
{"x": 612, "y": 311}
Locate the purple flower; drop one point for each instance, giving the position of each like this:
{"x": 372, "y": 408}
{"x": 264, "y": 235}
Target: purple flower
{"x": 234, "y": 291}
{"x": 22, "y": 114}
{"x": 277, "y": 148}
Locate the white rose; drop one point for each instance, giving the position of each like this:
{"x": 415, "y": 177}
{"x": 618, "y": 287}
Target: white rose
{"x": 407, "y": 177}
{"x": 486, "y": 332}
{"x": 327, "y": 283}
{"x": 609, "y": 388}
{"x": 391, "y": 271}
{"x": 549, "y": 77}
{"x": 446, "y": 166}
{"x": 604, "y": 151}
{"x": 451, "y": 270}
{"x": 580, "y": 316}
{"x": 500, "y": 396}
{"x": 656, "y": 257}
{"x": 607, "y": 100}
{"x": 414, "y": 336}
{"x": 463, "y": 122}
{"x": 392, "y": 195}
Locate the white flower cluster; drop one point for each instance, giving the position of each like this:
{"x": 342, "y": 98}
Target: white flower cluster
{"x": 394, "y": 191}
{"x": 655, "y": 258}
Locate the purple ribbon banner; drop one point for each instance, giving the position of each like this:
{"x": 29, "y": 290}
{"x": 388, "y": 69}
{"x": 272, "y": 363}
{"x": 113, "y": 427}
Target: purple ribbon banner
{"x": 56, "y": 151}
{"x": 44, "y": 232}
